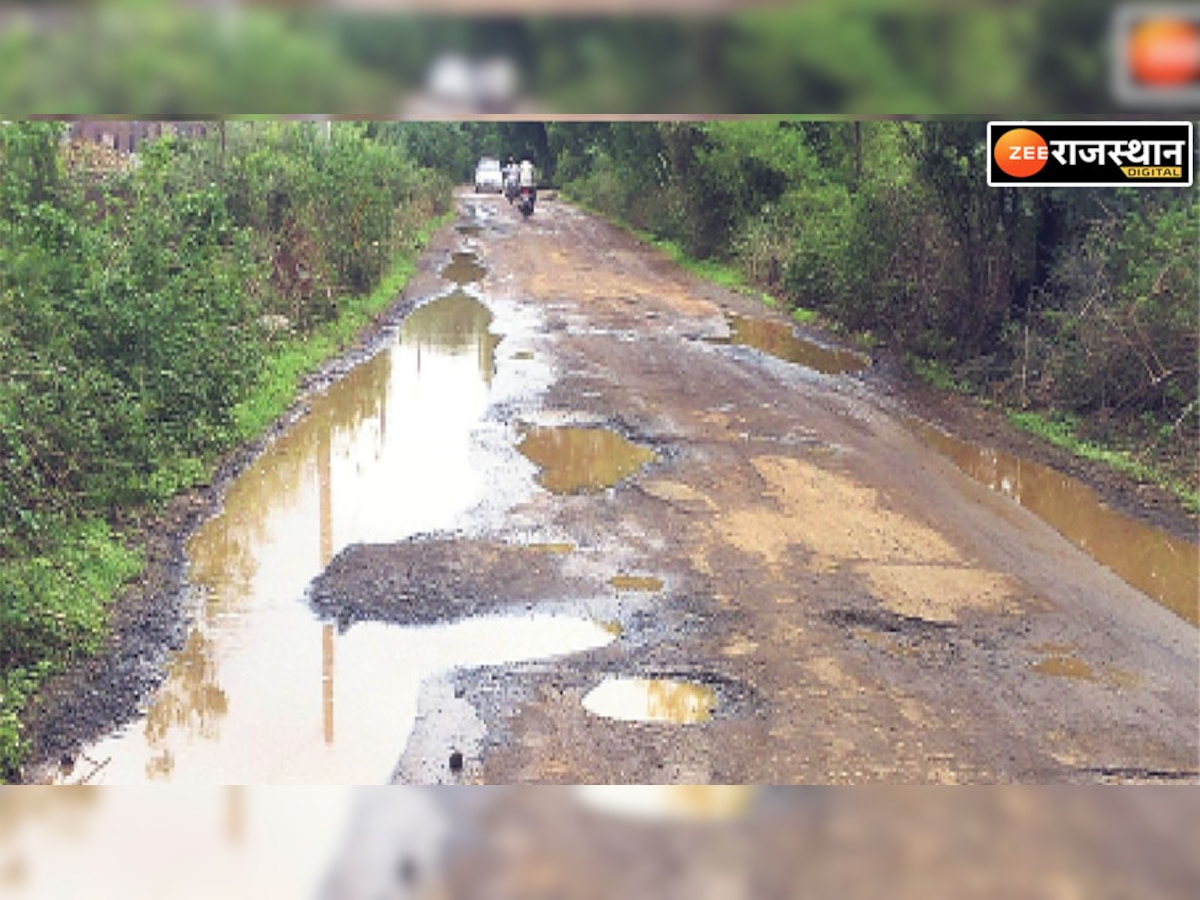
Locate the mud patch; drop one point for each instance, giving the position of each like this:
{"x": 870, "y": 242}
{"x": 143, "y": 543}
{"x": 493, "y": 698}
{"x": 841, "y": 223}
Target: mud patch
{"x": 582, "y": 460}
{"x": 679, "y": 495}
{"x": 885, "y": 621}
{"x": 912, "y": 569}
{"x": 463, "y": 268}
{"x": 778, "y": 339}
{"x": 652, "y": 700}
{"x": 1158, "y": 564}
{"x": 1064, "y": 661}
{"x": 426, "y": 579}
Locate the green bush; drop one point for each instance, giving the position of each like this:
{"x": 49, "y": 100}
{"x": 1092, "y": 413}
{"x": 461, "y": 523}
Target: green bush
{"x": 133, "y": 337}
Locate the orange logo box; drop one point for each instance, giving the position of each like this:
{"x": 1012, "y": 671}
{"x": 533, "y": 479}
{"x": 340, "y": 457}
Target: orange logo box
{"x": 1156, "y": 54}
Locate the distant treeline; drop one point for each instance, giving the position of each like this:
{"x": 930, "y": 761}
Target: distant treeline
{"x": 140, "y": 307}
{"x": 1081, "y": 304}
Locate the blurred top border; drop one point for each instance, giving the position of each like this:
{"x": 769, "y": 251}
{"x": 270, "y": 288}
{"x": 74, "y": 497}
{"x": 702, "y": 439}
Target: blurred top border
{"x": 541, "y": 59}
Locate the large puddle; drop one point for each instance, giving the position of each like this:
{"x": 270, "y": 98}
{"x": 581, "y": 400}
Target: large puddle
{"x": 263, "y": 691}
{"x": 581, "y": 460}
{"x": 651, "y": 700}
{"x": 778, "y": 339}
{"x": 1161, "y": 566}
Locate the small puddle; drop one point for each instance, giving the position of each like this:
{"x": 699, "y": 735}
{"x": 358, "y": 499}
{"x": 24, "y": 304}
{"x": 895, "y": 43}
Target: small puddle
{"x": 651, "y": 700}
{"x": 1064, "y": 665}
{"x": 1159, "y": 565}
{"x": 697, "y": 802}
{"x": 778, "y": 339}
{"x": 558, "y": 548}
{"x": 263, "y": 691}
{"x": 581, "y": 460}
{"x": 463, "y": 268}
{"x": 470, "y": 229}
{"x": 636, "y": 583}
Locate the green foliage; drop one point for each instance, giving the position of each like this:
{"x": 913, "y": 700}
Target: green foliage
{"x": 152, "y": 316}
{"x": 1062, "y": 430}
{"x": 52, "y": 609}
{"x": 1075, "y": 300}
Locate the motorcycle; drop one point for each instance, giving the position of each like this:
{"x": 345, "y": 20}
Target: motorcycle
{"x": 525, "y": 205}
{"x": 511, "y": 188}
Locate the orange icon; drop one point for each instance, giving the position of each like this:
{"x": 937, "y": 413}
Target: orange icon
{"x": 1164, "y": 52}
{"x": 1021, "y": 152}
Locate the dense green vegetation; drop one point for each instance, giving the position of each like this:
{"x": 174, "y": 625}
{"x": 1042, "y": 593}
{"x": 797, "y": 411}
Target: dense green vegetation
{"x": 151, "y": 316}
{"x": 1078, "y": 304}
{"x": 1076, "y": 307}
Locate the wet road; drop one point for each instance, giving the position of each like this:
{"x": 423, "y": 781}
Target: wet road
{"x": 586, "y": 519}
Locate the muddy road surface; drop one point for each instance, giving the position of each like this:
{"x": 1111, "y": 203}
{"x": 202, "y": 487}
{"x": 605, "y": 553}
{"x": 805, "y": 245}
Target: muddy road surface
{"x": 583, "y": 518}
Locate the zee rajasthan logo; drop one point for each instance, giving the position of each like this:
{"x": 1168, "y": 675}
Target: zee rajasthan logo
{"x": 1091, "y": 154}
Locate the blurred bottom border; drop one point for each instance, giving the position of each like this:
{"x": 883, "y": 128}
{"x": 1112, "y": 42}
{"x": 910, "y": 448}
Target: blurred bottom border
{"x": 720, "y": 842}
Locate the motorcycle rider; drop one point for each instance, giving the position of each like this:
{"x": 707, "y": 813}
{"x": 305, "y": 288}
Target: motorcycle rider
{"x": 511, "y": 175}
{"x": 526, "y": 176}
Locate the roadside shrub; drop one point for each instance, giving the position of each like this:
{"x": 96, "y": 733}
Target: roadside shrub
{"x": 133, "y": 331}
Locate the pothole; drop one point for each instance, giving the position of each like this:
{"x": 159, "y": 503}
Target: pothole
{"x": 779, "y": 340}
{"x": 470, "y": 229}
{"x": 581, "y": 460}
{"x": 553, "y": 548}
{"x": 636, "y": 583}
{"x": 1065, "y": 665}
{"x": 463, "y": 268}
{"x": 652, "y": 700}
{"x": 1158, "y": 564}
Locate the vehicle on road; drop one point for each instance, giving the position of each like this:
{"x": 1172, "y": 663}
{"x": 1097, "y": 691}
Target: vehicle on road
{"x": 527, "y": 179}
{"x": 488, "y": 176}
{"x": 525, "y": 204}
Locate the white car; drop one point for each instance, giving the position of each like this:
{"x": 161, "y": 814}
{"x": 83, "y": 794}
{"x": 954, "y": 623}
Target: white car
{"x": 488, "y": 176}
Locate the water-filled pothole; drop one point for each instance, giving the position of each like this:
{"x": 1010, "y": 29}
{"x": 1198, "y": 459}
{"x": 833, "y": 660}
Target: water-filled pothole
{"x": 636, "y": 583}
{"x": 264, "y": 691}
{"x": 581, "y": 460}
{"x": 1157, "y": 564}
{"x": 778, "y": 339}
{"x": 338, "y": 710}
{"x": 1064, "y": 665}
{"x": 470, "y": 229}
{"x": 652, "y": 700}
{"x": 693, "y": 802}
{"x": 463, "y": 268}
{"x": 554, "y": 548}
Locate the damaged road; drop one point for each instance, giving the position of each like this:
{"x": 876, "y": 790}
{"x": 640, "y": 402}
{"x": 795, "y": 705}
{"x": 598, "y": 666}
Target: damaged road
{"x": 760, "y": 554}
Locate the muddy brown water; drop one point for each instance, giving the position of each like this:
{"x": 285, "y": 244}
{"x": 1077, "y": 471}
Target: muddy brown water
{"x": 778, "y": 339}
{"x": 582, "y": 460}
{"x": 651, "y": 700}
{"x": 1159, "y": 565}
{"x": 463, "y": 268}
{"x": 636, "y": 583}
{"x": 262, "y": 691}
